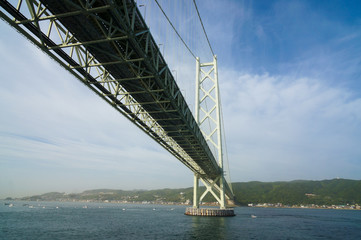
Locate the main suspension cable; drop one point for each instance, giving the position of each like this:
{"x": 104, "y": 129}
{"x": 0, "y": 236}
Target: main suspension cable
{"x": 204, "y": 30}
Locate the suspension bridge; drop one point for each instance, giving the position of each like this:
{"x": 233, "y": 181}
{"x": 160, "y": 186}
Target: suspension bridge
{"x": 107, "y": 45}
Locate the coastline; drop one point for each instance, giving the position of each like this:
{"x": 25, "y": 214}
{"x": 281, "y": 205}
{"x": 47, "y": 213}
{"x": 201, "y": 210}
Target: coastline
{"x": 263, "y": 205}
{"x": 307, "y": 206}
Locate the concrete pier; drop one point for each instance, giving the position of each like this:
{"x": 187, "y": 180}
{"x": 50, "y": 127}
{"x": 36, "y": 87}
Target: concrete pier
{"x": 209, "y": 212}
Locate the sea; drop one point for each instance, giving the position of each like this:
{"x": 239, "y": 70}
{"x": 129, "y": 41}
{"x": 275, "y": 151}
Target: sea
{"x": 79, "y": 220}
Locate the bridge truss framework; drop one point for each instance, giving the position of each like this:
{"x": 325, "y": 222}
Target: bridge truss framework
{"x": 108, "y": 47}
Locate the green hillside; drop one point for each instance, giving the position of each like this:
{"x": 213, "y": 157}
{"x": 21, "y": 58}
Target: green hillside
{"x": 326, "y": 192}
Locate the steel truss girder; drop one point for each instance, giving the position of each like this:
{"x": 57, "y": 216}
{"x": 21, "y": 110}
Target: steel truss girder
{"x": 117, "y": 58}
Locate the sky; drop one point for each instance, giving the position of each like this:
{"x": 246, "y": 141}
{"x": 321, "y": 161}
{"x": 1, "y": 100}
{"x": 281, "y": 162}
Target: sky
{"x": 290, "y": 80}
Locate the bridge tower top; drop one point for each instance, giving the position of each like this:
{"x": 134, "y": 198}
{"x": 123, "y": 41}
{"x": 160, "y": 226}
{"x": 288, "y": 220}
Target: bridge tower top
{"x": 207, "y": 106}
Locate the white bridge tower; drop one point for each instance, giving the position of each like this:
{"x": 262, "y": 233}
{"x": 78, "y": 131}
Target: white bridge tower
{"x": 208, "y": 117}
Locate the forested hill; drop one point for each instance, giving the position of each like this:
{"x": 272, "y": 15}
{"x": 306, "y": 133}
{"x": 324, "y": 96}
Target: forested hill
{"x": 326, "y": 192}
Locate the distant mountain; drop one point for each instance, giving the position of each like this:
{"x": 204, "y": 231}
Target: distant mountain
{"x": 160, "y": 196}
{"x": 326, "y": 192}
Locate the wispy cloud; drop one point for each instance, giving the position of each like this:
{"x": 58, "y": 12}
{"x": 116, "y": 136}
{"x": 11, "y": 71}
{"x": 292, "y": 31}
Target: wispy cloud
{"x": 278, "y": 122}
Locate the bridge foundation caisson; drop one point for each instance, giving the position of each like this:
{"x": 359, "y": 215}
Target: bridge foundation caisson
{"x": 208, "y": 117}
{"x": 210, "y": 212}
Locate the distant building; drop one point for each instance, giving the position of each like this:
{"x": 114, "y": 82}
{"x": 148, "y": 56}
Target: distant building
{"x": 310, "y": 194}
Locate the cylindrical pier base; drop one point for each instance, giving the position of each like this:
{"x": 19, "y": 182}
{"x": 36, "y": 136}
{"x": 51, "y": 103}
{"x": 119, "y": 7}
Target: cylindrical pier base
{"x": 209, "y": 212}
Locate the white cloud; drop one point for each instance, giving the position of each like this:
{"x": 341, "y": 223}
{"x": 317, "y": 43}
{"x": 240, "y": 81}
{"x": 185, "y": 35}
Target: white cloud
{"x": 281, "y": 128}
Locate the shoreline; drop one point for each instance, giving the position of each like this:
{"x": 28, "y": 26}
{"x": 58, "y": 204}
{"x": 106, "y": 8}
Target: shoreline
{"x": 312, "y": 206}
{"x": 264, "y": 205}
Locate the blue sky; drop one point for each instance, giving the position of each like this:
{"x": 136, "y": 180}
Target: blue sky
{"x": 290, "y": 82}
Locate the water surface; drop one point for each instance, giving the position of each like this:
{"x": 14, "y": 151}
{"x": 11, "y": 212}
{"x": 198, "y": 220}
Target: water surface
{"x": 62, "y": 220}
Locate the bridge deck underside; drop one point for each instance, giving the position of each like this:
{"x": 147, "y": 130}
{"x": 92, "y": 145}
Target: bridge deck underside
{"x": 114, "y": 33}
{"x": 147, "y": 86}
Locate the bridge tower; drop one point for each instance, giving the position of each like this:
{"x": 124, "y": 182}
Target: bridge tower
{"x": 208, "y": 117}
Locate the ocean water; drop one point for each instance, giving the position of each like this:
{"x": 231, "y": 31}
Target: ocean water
{"x": 61, "y": 220}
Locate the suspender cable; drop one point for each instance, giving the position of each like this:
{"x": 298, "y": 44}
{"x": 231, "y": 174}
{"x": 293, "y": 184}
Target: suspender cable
{"x": 204, "y": 30}
{"x": 175, "y": 29}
